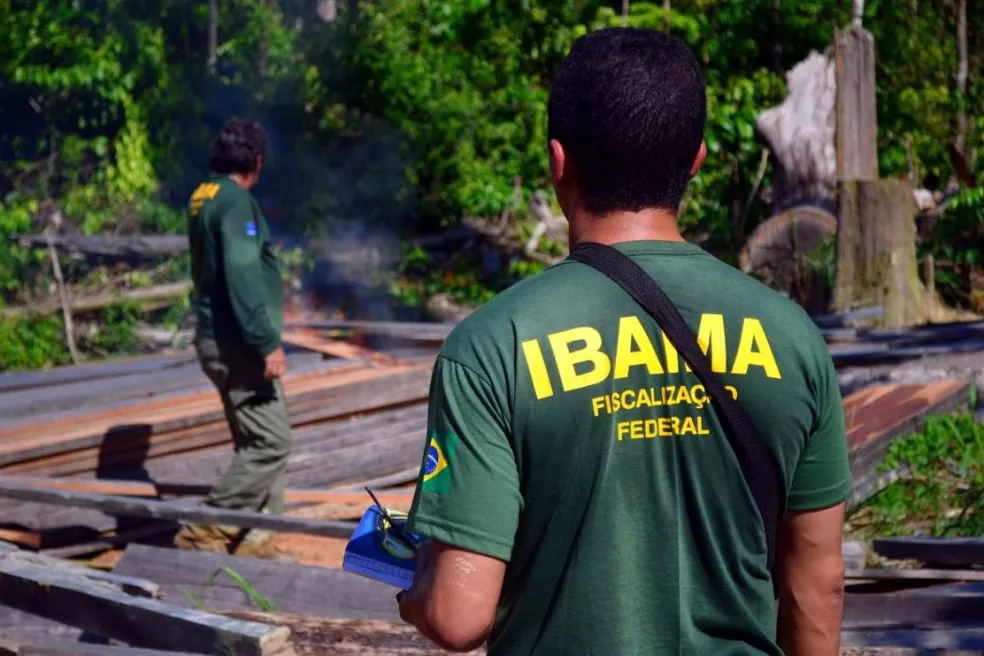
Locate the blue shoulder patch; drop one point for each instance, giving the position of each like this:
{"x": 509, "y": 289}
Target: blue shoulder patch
{"x": 250, "y": 229}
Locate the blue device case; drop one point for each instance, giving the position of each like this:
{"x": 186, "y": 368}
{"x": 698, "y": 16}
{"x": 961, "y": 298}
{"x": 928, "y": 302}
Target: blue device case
{"x": 378, "y": 552}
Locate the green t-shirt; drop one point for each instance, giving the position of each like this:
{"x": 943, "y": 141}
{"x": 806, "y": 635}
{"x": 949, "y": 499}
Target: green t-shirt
{"x": 238, "y": 288}
{"x": 567, "y": 438}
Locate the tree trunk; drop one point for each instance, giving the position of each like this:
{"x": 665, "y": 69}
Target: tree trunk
{"x": 327, "y": 10}
{"x": 857, "y": 120}
{"x": 800, "y": 133}
{"x": 876, "y": 251}
{"x": 962, "y": 66}
{"x": 666, "y": 13}
{"x": 213, "y": 34}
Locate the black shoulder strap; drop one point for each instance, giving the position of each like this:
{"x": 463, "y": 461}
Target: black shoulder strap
{"x": 757, "y": 461}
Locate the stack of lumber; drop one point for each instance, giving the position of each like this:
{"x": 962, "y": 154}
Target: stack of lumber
{"x": 937, "y": 609}
{"x": 862, "y": 346}
{"x": 158, "y": 418}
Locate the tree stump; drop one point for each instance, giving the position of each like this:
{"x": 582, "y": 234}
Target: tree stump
{"x": 800, "y": 132}
{"x": 876, "y": 251}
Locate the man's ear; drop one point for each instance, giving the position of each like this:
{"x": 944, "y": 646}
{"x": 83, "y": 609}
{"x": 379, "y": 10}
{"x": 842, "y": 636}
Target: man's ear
{"x": 558, "y": 162}
{"x": 699, "y": 159}
{"x": 259, "y": 163}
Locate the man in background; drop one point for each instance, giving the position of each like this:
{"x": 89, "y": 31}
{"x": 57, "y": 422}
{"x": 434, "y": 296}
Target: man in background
{"x": 238, "y": 300}
{"x": 580, "y": 492}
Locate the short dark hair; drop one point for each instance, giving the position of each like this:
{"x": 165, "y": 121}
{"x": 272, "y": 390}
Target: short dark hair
{"x": 236, "y": 147}
{"x": 629, "y": 106}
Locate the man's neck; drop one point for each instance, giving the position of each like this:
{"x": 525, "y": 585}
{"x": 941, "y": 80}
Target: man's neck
{"x": 650, "y": 224}
{"x": 244, "y": 181}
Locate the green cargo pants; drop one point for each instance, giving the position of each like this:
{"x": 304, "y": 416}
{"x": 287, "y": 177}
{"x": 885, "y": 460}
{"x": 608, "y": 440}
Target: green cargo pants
{"x": 257, "y": 414}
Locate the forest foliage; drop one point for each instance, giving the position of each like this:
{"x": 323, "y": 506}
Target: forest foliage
{"x": 400, "y": 117}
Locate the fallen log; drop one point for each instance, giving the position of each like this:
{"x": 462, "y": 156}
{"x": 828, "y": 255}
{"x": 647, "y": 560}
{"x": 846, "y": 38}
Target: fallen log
{"x": 147, "y": 246}
{"x": 149, "y": 298}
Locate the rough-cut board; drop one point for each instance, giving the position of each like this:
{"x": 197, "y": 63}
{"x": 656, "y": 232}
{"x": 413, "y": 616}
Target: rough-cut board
{"x": 314, "y": 342}
{"x": 291, "y": 588}
{"x": 926, "y": 639}
{"x": 56, "y": 649}
{"x": 959, "y": 552}
{"x": 953, "y": 602}
{"x": 130, "y": 507}
{"x": 915, "y": 575}
{"x": 104, "y": 610}
{"x": 157, "y": 490}
{"x": 875, "y": 415}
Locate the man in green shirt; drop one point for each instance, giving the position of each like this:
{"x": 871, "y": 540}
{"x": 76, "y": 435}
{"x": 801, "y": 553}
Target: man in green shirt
{"x": 238, "y": 299}
{"x": 579, "y": 491}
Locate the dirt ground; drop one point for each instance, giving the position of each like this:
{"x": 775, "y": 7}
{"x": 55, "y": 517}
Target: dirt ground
{"x": 322, "y": 637}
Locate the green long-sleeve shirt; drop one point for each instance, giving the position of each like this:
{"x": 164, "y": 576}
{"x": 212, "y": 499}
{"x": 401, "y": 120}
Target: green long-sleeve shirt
{"x": 238, "y": 288}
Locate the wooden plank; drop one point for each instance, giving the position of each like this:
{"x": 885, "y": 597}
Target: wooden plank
{"x": 936, "y": 639}
{"x": 112, "y": 368}
{"x": 55, "y": 649}
{"x": 156, "y": 490}
{"x": 290, "y": 588}
{"x": 916, "y": 575}
{"x": 104, "y": 610}
{"x": 319, "y": 344}
{"x": 417, "y": 331}
{"x": 958, "y": 552}
{"x": 130, "y": 507}
{"x": 906, "y": 607}
{"x": 878, "y": 414}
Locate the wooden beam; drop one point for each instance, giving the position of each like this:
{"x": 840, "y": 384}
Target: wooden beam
{"x": 102, "y": 609}
{"x": 951, "y": 639}
{"x": 915, "y": 575}
{"x": 333, "y": 347}
{"x": 129, "y": 507}
{"x": 289, "y": 587}
{"x": 416, "y": 331}
{"x": 938, "y": 551}
{"x": 156, "y": 490}
{"x": 54, "y": 649}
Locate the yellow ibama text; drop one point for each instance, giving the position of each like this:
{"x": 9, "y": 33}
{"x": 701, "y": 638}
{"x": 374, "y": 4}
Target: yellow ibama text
{"x": 582, "y": 360}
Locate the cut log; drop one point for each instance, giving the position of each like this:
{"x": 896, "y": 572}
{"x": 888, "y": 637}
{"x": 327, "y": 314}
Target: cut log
{"x": 800, "y": 134}
{"x": 786, "y": 253}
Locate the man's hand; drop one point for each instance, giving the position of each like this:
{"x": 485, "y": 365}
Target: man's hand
{"x": 276, "y": 364}
{"x": 454, "y": 596}
{"x": 810, "y": 575}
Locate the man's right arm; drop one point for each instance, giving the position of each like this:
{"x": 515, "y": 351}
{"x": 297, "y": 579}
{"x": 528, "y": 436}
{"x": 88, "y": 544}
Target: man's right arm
{"x": 810, "y": 572}
{"x": 810, "y": 563}
{"x": 244, "y": 278}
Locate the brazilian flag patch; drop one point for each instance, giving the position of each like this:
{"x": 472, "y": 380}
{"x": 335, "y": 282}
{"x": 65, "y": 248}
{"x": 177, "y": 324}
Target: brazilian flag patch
{"x": 436, "y": 475}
